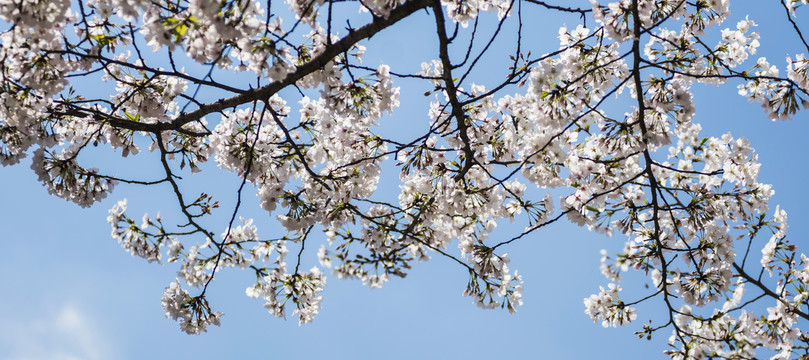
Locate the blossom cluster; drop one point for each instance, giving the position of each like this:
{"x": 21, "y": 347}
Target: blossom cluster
{"x": 307, "y": 132}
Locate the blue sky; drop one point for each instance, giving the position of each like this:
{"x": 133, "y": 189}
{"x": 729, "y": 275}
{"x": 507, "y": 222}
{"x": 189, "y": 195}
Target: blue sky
{"x": 68, "y": 291}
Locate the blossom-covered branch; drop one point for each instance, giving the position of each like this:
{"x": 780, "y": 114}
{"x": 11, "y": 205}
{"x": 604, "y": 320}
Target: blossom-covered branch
{"x": 281, "y": 99}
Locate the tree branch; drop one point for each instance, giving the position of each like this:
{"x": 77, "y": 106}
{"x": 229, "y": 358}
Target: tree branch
{"x": 317, "y": 63}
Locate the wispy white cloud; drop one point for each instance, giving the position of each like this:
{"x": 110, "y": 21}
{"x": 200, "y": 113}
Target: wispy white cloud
{"x": 68, "y": 333}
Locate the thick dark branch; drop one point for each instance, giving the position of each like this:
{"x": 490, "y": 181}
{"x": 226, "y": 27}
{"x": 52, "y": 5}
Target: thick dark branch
{"x": 114, "y": 121}
{"x": 653, "y": 184}
{"x": 317, "y": 63}
{"x": 452, "y": 91}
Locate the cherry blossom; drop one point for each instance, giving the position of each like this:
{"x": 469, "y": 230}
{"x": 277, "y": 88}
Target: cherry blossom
{"x": 600, "y": 129}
